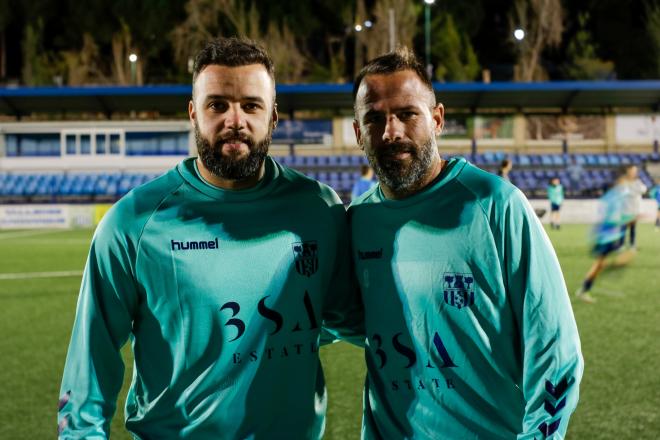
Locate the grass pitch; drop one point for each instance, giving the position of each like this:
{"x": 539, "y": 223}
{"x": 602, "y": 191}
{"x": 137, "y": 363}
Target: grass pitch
{"x": 620, "y": 393}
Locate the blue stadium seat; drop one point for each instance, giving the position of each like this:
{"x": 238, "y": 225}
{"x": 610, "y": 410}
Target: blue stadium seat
{"x": 356, "y": 160}
{"x": 309, "y": 161}
{"x": 297, "y": 161}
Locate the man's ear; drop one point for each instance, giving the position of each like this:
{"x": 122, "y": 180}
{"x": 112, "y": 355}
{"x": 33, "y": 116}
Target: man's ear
{"x": 358, "y": 134}
{"x": 192, "y": 115}
{"x": 275, "y": 117}
{"x": 438, "y": 115}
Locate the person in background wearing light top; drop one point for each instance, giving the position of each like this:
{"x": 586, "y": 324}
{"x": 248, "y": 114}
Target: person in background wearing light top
{"x": 632, "y": 206}
{"x": 222, "y": 273}
{"x": 556, "y": 197}
{"x": 365, "y": 183}
{"x": 470, "y": 331}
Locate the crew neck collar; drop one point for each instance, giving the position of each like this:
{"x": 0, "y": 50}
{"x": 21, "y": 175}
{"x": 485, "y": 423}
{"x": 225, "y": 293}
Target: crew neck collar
{"x": 451, "y": 169}
{"x": 190, "y": 173}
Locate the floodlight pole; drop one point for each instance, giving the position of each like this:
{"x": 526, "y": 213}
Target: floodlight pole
{"x": 427, "y": 36}
{"x": 132, "y": 59}
{"x": 392, "y": 31}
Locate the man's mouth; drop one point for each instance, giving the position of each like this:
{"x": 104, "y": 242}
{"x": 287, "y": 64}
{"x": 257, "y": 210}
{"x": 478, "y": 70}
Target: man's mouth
{"x": 401, "y": 153}
{"x": 235, "y": 145}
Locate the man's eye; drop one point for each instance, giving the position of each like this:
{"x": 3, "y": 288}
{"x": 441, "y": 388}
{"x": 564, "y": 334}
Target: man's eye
{"x": 251, "y": 106}
{"x": 217, "y": 106}
{"x": 373, "y": 119}
{"x": 404, "y": 116}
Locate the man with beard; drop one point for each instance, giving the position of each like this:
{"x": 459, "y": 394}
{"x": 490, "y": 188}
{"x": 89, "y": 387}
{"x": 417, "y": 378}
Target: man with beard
{"x": 222, "y": 273}
{"x": 470, "y": 332}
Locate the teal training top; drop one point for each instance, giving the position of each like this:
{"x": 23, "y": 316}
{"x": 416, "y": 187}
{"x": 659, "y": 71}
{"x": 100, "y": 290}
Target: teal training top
{"x": 556, "y": 194}
{"x": 470, "y": 331}
{"x": 223, "y": 295}
{"x": 610, "y": 227}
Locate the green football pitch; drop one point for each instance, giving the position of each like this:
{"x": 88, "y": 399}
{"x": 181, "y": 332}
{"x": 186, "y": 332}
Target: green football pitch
{"x": 620, "y": 393}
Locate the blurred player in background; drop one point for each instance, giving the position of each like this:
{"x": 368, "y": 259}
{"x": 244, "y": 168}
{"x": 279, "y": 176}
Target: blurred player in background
{"x": 221, "y": 272}
{"x": 655, "y": 194}
{"x": 635, "y": 189}
{"x": 556, "y": 197}
{"x": 469, "y": 325}
{"x": 609, "y": 233}
{"x": 575, "y": 173}
{"x": 505, "y": 168}
{"x": 365, "y": 183}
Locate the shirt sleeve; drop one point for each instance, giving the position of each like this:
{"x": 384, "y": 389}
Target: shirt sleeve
{"x": 94, "y": 370}
{"x": 343, "y": 312}
{"x": 552, "y": 363}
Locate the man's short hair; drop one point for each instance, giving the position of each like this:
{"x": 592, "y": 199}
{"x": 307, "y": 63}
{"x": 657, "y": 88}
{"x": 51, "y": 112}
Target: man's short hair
{"x": 232, "y": 52}
{"x": 401, "y": 59}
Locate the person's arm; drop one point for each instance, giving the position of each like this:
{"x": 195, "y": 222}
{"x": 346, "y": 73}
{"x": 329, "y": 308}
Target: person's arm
{"x": 343, "y": 312}
{"x": 551, "y": 358}
{"x": 94, "y": 370}
{"x": 355, "y": 193}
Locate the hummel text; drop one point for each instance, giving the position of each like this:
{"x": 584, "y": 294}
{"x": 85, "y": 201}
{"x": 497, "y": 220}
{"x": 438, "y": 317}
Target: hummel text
{"x": 186, "y": 245}
{"x": 370, "y": 255}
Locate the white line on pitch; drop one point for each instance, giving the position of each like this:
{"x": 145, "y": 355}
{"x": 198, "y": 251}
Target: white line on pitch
{"x": 6, "y": 235}
{"x": 29, "y": 275}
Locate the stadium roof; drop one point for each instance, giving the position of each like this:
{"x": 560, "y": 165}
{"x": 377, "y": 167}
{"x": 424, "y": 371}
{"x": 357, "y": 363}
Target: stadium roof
{"x": 503, "y": 96}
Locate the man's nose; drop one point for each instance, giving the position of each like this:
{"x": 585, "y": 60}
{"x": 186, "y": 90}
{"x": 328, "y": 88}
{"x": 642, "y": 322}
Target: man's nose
{"x": 235, "y": 117}
{"x": 393, "y": 129}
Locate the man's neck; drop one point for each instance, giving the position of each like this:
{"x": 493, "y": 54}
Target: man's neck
{"x": 434, "y": 171}
{"x": 231, "y": 184}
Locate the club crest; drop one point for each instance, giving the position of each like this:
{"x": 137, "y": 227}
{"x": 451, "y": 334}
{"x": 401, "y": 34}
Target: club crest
{"x": 305, "y": 255}
{"x": 458, "y": 289}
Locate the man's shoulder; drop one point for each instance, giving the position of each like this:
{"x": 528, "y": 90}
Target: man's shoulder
{"x": 367, "y": 197}
{"x": 296, "y": 184}
{"x": 130, "y": 213}
{"x": 484, "y": 185}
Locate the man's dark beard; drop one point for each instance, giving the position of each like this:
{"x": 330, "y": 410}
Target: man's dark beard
{"x": 228, "y": 166}
{"x": 396, "y": 176}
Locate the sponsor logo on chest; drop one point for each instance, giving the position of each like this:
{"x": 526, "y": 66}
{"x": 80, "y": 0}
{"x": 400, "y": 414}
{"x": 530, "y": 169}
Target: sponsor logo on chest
{"x": 458, "y": 289}
{"x": 305, "y": 255}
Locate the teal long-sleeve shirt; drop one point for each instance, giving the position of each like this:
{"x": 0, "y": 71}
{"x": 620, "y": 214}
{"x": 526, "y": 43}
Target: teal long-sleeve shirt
{"x": 223, "y": 295}
{"x": 556, "y": 194}
{"x": 470, "y": 331}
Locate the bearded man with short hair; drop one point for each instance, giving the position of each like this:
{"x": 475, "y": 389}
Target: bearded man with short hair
{"x": 222, "y": 272}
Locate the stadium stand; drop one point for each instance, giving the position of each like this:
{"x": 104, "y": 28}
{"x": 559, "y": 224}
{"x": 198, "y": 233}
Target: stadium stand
{"x": 531, "y": 174}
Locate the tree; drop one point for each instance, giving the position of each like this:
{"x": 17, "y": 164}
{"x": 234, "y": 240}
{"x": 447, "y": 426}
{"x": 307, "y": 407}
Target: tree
{"x": 583, "y": 62}
{"x": 406, "y": 15}
{"x": 121, "y": 50}
{"x": 39, "y": 66}
{"x": 207, "y": 19}
{"x": 83, "y": 66}
{"x": 5, "y": 19}
{"x": 653, "y": 30}
{"x": 453, "y": 52}
{"x": 542, "y": 21}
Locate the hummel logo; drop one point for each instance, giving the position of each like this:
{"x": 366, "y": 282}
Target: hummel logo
{"x": 370, "y": 255}
{"x": 186, "y": 245}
